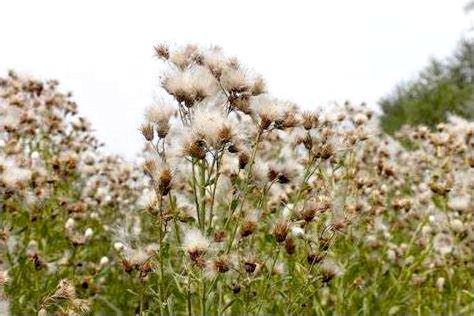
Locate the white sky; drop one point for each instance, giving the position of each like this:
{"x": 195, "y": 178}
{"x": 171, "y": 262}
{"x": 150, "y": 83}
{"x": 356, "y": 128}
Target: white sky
{"x": 310, "y": 52}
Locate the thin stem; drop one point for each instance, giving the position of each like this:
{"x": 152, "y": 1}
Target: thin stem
{"x": 189, "y": 303}
{"x": 160, "y": 259}
{"x": 202, "y": 195}
{"x": 216, "y": 179}
{"x": 196, "y": 201}
{"x": 203, "y": 297}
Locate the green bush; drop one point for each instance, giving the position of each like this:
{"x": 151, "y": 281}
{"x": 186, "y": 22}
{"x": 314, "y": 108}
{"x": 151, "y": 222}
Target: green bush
{"x": 442, "y": 88}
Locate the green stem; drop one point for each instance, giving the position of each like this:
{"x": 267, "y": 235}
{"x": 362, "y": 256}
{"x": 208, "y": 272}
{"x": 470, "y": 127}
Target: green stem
{"x": 196, "y": 201}
{"x": 203, "y": 297}
{"x": 161, "y": 236}
{"x": 214, "y": 189}
{"x": 202, "y": 195}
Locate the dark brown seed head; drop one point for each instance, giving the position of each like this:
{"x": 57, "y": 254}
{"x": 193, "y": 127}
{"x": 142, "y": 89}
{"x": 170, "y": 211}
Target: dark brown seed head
{"x": 164, "y": 181}
{"x": 225, "y": 135}
{"x": 327, "y": 151}
{"x": 308, "y": 214}
{"x": 197, "y": 258}
{"x": 162, "y": 129}
{"x": 162, "y": 51}
{"x": 236, "y": 288}
{"x": 222, "y": 264}
{"x": 309, "y": 120}
{"x": 248, "y": 227}
{"x": 195, "y": 150}
{"x": 258, "y": 86}
{"x": 315, "y": 257}
{"x": 265, "y": 122}
{"x": 243, "y": 160}
{"x": 280, "y": 230}
{"x": 219, "y": 236}
{"x": 150, "y": 167}
{"x": 250, "y": 267}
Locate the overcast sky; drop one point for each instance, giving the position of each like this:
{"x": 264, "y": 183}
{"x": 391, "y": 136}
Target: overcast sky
{"x": 310, "y": 52}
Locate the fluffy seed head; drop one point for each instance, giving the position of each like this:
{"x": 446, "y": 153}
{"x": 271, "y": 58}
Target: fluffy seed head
{"x": 194, "y": 242}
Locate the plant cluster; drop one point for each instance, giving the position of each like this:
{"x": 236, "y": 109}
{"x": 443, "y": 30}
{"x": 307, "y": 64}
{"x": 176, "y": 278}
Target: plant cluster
{"x": 240, "y": 203}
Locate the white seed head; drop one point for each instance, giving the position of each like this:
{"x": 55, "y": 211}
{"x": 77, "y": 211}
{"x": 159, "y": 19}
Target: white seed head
{"x": 103, "y": 261}
{"x": 160, "y": 113}
{"x": 443, "y": 243}
{"x": 457, "y": 225}
{"x": 118, "y": 246}
{"x": 70, "y": 224}
{"x": 194, "y": 241}
{"x": 88, "y": 233}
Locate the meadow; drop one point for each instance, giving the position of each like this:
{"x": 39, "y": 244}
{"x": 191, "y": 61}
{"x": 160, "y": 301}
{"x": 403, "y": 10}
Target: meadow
{"x": 239, "y": 204}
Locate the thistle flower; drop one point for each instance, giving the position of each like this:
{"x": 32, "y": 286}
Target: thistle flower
{"x": 258, "y": 86}
{"x": 211, "y": 126}
{"x": 70, "y": 224}
{"x": 215, "y": 62}
{"x": 162, "y": 51}
{"x": 104, "y": 261}
{"x": 15, "y": 178}
{"x": 297, "y": 231}
{"x": 360, "y": 119}
{"x": 443, "y": 243}
{"x": 118, "y": 246}
{"x": 309, "y": 120}
{"x": 148, "y": 199}
{"x": 134, "y": 257}
{"x": 196, "y": 245}
{"x": 248, "y": 228}
{"x": 189, "y": 86}
{"x": 88, "y": 234}
{"x": 250, "y": 266}
{"x": 280, "y": 230}
{"x": 194, "y": 241}
{"x": 330, "y": 270}
{"x": 460, "y": 203}
{"x": 281, "y": 174}
{"x": 147, "y": 131}
{"x": 159, "y": 116}
{"x": 163, "y": 178}
{"x": 193, "y": 147}
{"x": 221, "y": 264}
{"x": 243, "y": 160}
{"x": 234, "y": 81}
{"x": 457, "y": 225}
{"x": 278, "y": 268}
{"x": 268, "y": 111}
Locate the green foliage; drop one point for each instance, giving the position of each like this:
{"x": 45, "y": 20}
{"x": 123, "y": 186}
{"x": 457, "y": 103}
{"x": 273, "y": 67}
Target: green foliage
{"x": 443, "y": 87}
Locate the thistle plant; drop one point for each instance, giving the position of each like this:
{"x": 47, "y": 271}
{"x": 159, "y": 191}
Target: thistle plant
{"x": 250, "y": 191}
{"x": 59, "y": 194}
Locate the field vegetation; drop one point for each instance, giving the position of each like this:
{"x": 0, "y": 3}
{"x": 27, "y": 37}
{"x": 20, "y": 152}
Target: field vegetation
{"x": 240, "y": 203}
